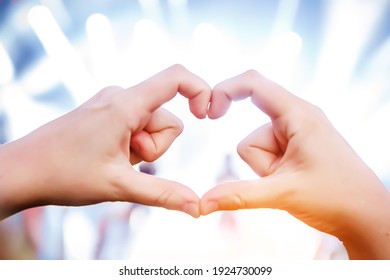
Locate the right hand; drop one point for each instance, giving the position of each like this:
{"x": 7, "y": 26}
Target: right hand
{"x": 306, "y": 168}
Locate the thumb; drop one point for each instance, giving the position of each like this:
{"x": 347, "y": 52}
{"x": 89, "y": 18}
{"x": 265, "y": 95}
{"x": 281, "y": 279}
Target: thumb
{"x": 154, "y": 191}
{"x": 268, "y": 192}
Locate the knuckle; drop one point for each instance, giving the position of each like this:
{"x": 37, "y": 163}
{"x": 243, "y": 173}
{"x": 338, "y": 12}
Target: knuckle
{"x": 108, "y": 92}
{"x": 106, "y": 97}
{"x": 317, "y": 111}
{"x": 310, "y": 115}
{"x": 151, "y": 156}
{"x": 253, "y": 74}
{"x": 163, "y": 198}
{"x": 146, "y": 153}
{"x": 237, "y": 202}
{"x": 305, "y": 108}
{"x": 243, "y": 149}
{"x": 177, "y": 69}
{"x": 220, "y": 88}
{"x": 178, "y": 126}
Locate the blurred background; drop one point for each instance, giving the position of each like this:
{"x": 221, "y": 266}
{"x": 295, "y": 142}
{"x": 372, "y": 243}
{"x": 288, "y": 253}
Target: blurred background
{"x": 55, "y": 54}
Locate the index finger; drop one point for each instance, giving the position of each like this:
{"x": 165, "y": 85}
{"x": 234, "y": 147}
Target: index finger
{"x": 162, "y": 87}
{"x": 271, "y": 98}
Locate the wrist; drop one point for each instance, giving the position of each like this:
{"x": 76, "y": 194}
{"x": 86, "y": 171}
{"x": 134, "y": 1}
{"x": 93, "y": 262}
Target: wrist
{"x": 366, "y": 229}
{"x": 18, "y": 178}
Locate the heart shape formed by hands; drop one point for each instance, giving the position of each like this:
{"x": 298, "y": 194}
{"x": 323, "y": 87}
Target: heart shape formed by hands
{"x": 262, "y": 150}
{"x": 305, "y": 167}
{"x": 301, "y": 160}
{"x": 120, "y": 125}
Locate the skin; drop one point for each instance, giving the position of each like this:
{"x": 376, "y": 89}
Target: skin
{"x": 305, "y": 167}
{"x": 86, "y": 156}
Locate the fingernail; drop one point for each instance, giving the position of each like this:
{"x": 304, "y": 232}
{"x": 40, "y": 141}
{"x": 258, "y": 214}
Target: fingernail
{"x": 192, "y": 209}
{"x": 210, "y": 207}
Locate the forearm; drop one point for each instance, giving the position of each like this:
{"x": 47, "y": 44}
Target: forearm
{"x": 18, "y": 178}
{"x": 367, "y": 231}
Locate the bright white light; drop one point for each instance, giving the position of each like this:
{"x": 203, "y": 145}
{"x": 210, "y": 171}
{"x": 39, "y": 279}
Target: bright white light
{"x": 61, "y": 11}
{"x": 146, "y": 31}
{"x": 40, "y": 78}
{"x": 376, "y": 80}
{"x": 205, "y": 32}
{"x": 149, "y": 4}
{"x": 79, "y": 236}
{"x": 151, "y": 9}
{"x": 150, "y": 45}
{"x": 217, "y": 56}
{"x": 179, "y": 15}
{"x": 379, "y": 122}
{"x": 185, "y": 241}
{"x": 178, "y": 4}
{"x": 101, "y": 44}
{"x": 59, "y": 49}
{"x": 279, "y": 58}
{"x": 23, "y": 113}
{"x": 48, "y": 31}
{"x": 286, "y": 46}
{"x": 346, "y": 34}
{"x": 285, "y": 15}
{"x": 345, "y": 37}
{"x": 7, "y": 68}
{"x": 215, "y": 53}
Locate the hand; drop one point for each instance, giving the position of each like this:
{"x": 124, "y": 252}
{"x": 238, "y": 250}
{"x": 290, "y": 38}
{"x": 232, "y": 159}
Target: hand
{"x": 84, "y": 157}
{"x": 306, "y": 168}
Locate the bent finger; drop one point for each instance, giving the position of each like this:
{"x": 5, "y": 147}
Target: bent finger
{"x": 260, "y": 150}
{"x": 162, "y": 87}
{"x": 270, "y": 97}
{"x": 156, "y": 137}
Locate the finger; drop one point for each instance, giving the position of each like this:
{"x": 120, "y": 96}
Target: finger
{"x": 163, "y": 86}
{"x": 157, "y": 136}
{"x": 260, "y": 150}
{"x": 134, "y": 158}
{"x": 266, "y": 192}
{"x": 154, "y": 191}
{"x": 271, "y": 98}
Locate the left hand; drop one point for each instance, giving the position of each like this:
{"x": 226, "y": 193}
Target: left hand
{"x": 85, "y": 156}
